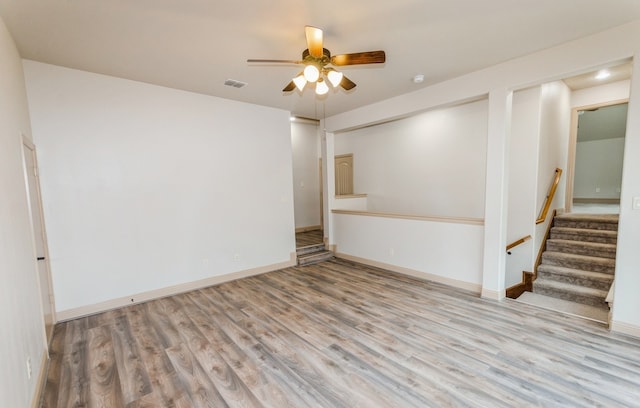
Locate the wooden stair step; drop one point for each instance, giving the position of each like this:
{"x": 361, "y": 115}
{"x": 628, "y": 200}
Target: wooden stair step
{"x": 309, "y": 249}
{"x": 315, "y": 257}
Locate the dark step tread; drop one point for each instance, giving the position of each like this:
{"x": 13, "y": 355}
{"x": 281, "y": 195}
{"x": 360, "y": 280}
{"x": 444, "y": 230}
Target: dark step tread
{"x": 579, "y": 258}
{"x": 586, "y": 231}
{"x": 578, "y": 273}
{"x": 586, "y": 223}
{"x": 595, "y": 217}
{"x": 570, "y": 288}
{"x": 315, "y": 257}
{"x": 584, "y": 235}
{"x": 596, "y": 249}
{"x": 310, "y": 249}
{"x": 587, "y": 279}
{"x": 595, "y": 245}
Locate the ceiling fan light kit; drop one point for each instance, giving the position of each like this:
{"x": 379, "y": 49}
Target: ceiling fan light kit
{"x": 317, "y": 61}
{"x": 334, "y": 77}
{"x": 311, "y": 73}
{"x": 300, "y": 82}
{"x": 321, "y": 87}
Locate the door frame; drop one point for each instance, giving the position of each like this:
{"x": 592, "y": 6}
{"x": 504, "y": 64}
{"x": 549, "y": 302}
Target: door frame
{"x": 573, "y": 141}
{"x": 321, "y": 194}
{"x": 28, "y": 147}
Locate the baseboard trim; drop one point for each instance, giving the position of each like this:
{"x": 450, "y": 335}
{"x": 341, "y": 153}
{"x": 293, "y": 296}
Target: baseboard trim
{"x": 491, "y": 294}
{"x": 307, "y": 229}
{"x": 471, "y": 287}
{"x": 88, "y": 310}
{"x": 625, "y": 328}
{"x": 41, "y": 381}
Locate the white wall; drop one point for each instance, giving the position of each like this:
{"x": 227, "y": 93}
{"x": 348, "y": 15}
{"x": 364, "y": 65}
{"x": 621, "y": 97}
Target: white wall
{"x": 598, "y": 169}
{"x": 147, "y": 187}
{"x": 450, "y": 253}
{"x": 615, "y": 91}
{"x": 21, "y": 318}
{"x": 555, "y": 125}
{"x": 523, "y": 170}
{"x": 305, "y": 142}
{"x": 627, "y": 285}
{"x": 431, "y": 164}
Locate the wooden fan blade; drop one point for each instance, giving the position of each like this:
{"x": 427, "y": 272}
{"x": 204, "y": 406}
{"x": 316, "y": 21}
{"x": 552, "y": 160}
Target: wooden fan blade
{"x": 290, "y": 87}
{"x": 314, "y": 41}
{"x": 273, "y": 61}
{"x": 357, "y": 58}
{"x": 347, "y": 84}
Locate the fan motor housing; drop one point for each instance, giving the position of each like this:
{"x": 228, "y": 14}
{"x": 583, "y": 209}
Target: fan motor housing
{"x": 326, "y": 56}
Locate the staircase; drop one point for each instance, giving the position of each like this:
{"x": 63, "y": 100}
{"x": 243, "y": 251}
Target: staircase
{"x": 312, "y": 254}
{"x": 579, "y": 261}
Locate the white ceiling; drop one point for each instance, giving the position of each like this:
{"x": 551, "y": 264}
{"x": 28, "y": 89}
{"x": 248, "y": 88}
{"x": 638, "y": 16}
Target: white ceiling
{"x": 590, "y": 79}
{"x": 196, "y": 45}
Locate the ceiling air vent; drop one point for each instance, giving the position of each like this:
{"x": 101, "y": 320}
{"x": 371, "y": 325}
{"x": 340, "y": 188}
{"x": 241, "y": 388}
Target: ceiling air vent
{"x": 234, "y": 83}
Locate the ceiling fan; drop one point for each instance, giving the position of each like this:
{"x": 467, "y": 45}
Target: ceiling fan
{"x": 319, "y": 64}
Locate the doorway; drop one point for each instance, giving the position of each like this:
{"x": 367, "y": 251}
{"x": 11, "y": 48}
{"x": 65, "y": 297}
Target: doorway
{"x": 41, "y": 252}
{"x": 595, "y": 161}
{"x": 307, "y": 181}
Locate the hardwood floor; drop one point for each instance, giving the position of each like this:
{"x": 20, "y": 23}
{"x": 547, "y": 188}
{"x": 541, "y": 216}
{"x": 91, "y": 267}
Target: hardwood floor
{"x": 309, "y": 238}
{"x": 338, "y": 334}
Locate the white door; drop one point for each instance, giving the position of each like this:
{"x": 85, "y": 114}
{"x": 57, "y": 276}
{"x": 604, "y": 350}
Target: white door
{"x": 40, "y": 236}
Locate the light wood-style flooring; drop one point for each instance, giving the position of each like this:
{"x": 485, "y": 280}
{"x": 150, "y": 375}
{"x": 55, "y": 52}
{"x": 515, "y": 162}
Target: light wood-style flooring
{"x": 338, "y": 334}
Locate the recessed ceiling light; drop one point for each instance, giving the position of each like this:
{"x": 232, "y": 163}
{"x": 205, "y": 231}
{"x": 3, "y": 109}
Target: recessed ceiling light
{"x": 603, "y": 74}
{"x": 418, "y": 79}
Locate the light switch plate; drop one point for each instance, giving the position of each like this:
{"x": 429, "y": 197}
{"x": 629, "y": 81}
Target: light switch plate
{"x": 636, "y": 203}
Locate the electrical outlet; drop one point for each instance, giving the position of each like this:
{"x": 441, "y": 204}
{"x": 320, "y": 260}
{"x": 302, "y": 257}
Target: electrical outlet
{"x": 29, "y": 372}
{"x": 597, "y": 189}
{"x": 636, "y": 203}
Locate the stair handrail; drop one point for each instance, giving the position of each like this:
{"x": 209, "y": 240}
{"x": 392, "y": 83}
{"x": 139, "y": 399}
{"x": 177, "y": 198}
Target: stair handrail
{"x": 552, "y": 192}
{"x": 518, "y": 242}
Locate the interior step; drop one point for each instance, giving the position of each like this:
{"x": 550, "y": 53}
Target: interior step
{"x": 582, "y": 262}
{"x": 315, "y": 257}
{"x": 309, "y": 249}
{"x": 596, "y": 249}
{"x": 570, "y": 292}
{"x": 585, "y": 235}
{"x": 596, "y": 313}
{"x": 587, "y": 221}
{"x": 595, "y": 280}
